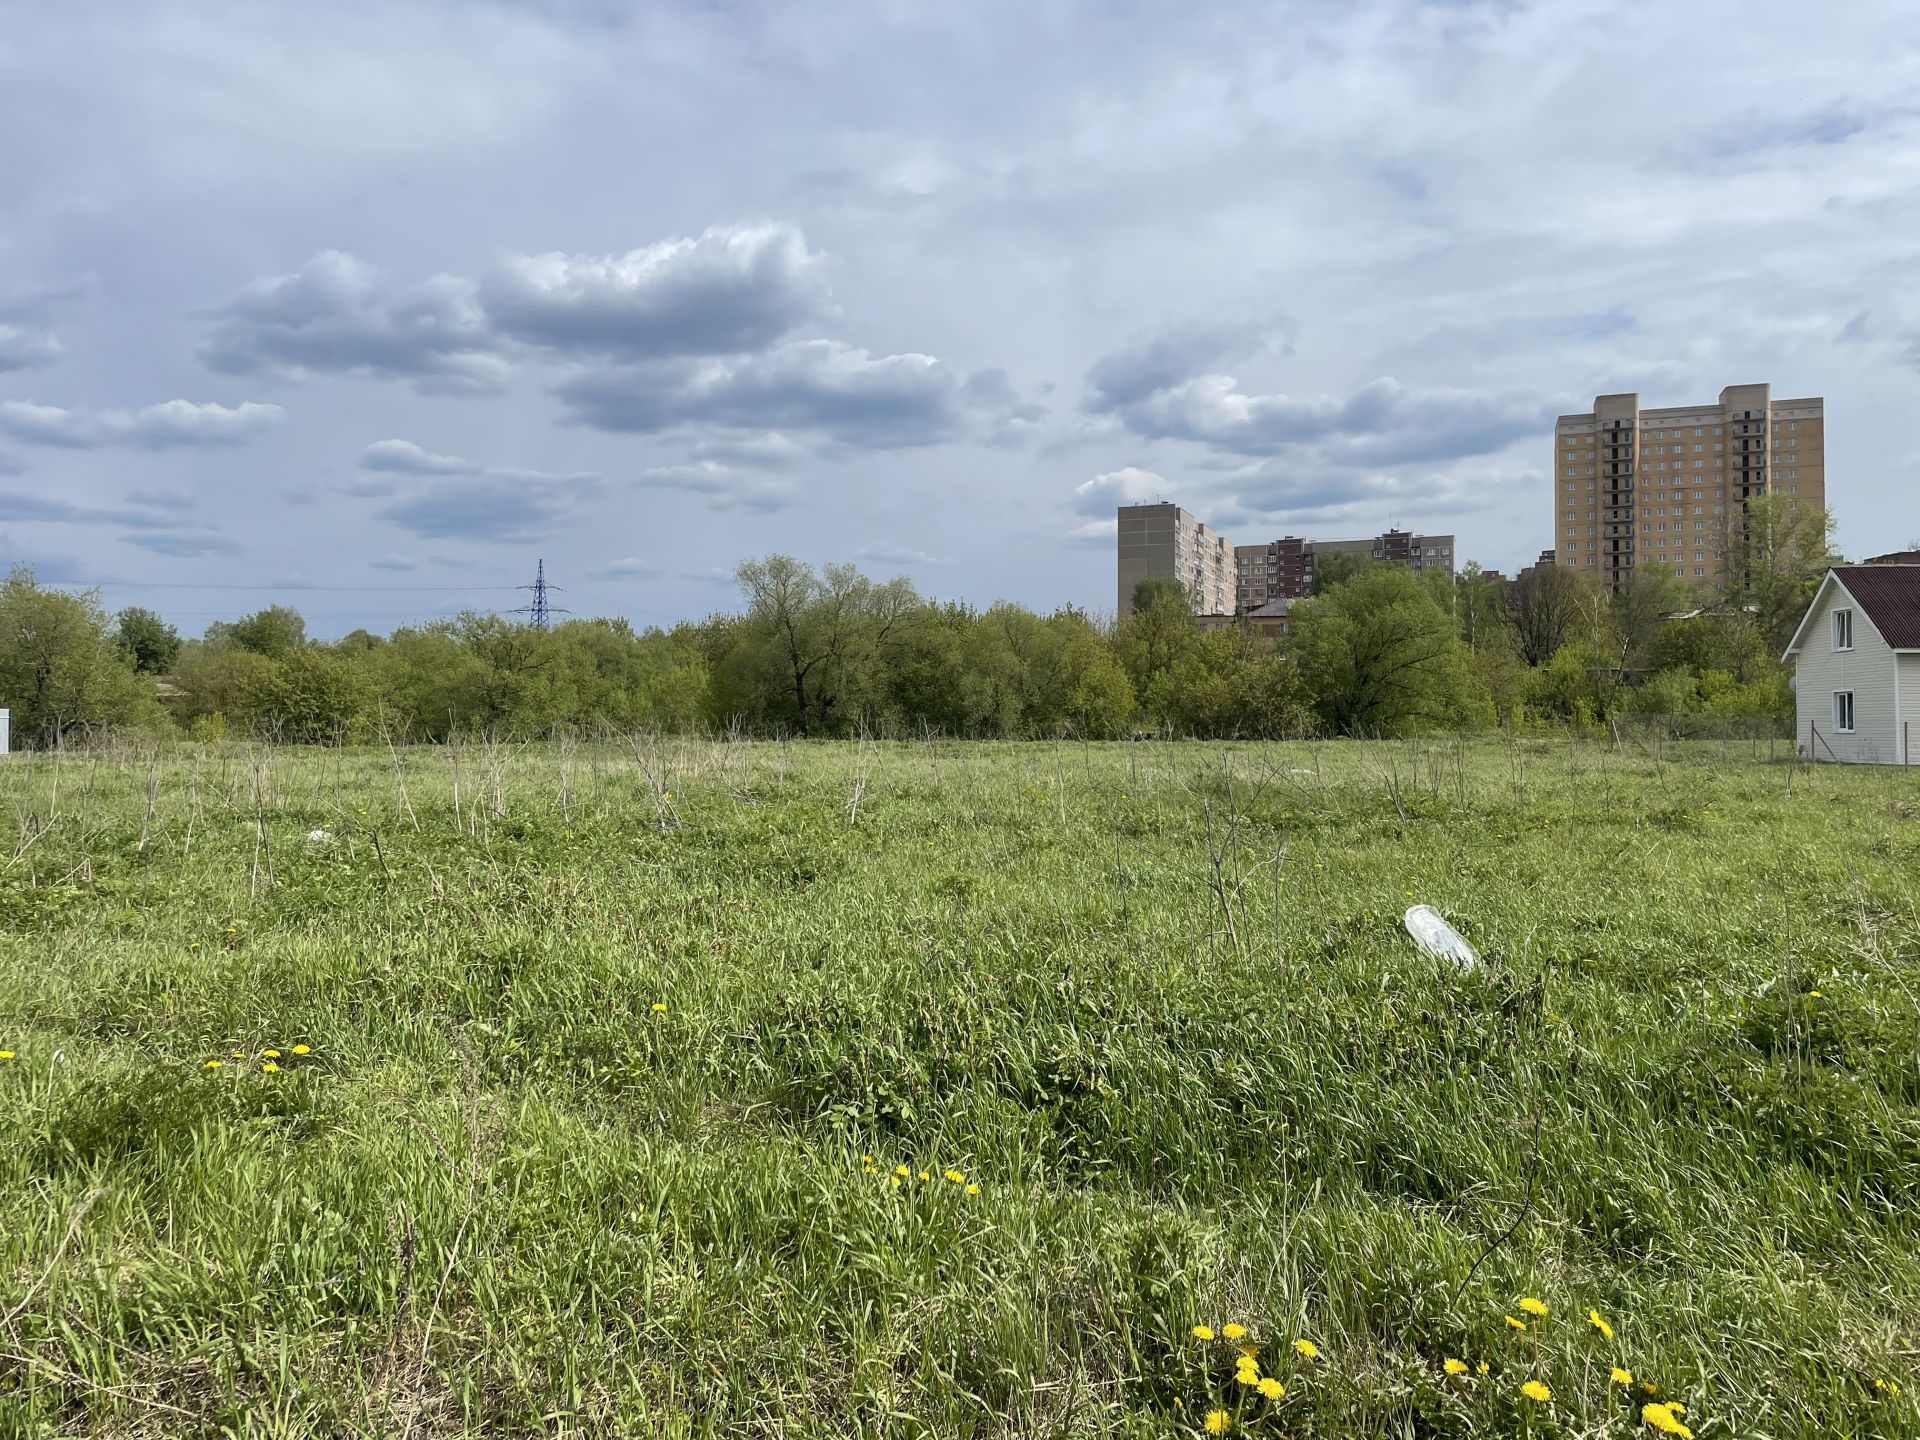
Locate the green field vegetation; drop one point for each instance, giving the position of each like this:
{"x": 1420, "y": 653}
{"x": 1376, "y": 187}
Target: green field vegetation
{"x": 599, "y": 1036}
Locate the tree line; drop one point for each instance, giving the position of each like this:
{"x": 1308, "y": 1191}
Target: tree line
{"x": 829, "y": 651}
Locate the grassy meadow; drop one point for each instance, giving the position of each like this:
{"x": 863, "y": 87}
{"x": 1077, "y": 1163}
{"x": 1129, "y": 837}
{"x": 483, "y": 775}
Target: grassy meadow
{"x": 663, "y": 1087}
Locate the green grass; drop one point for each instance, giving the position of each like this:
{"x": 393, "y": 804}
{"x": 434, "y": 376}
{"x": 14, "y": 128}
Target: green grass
{"x": 1153, "y": 1000}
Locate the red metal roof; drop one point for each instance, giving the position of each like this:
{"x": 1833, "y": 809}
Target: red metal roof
{"x": 1890, "y": 594}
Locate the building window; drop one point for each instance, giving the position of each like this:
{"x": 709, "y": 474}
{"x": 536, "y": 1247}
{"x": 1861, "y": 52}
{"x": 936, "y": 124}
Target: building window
{"x": 1843, "y": 632}
{"x": 1843, "y": 711}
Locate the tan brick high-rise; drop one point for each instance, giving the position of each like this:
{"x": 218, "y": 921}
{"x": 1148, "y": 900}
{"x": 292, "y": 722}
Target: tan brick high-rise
{"x": 1633, "y": 487}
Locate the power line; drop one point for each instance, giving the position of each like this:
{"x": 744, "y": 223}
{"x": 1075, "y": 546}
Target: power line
{"x": 279, "y": 589}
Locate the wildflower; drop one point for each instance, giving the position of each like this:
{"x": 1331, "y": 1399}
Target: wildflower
{"x": 659, "y": 1007}
{"x": 300, "y": 1050}
{"x": 271, "y": 1068}
{"x": 1454, "y": 1367}
{"x": 1536, "y": 1392}
{"x": 1662, "y": 1418}
{"x": 1233, "y": 1332}
{"x": 1248, "y": 1352}
{"x": 955, "y": 1176}
{"x": 1622, "y": 1377}
{"x": 1649, "y": 1387}
{"x": 1516, "y": 1324}
{"x": 6, "y": 1054}
{"x": 902, "y": 1171}
{"x": 1813, "y": 994}
{"x": 1536, "y": 1308}
{"x": 896, "y": 1181}
{"x": 1202, "y": 1332}
{"x": 1272, "y": 1388}
{"x": 1481, "y": 1368}
{"x": 1595, "y": 1319}
{"x": 1308, "y": 1350}
{"x": 1218, "y": 1422}
{"x": 866, "y": 1159}
{"x": 972, "y": 1189}
{"x": 211, "y": 1065}
{"x": 925, "y": 1176}
{"x": 239, "y": 1055}
{"x": 1891, "y": 1387}
{"x": 270, "y": 1054}
{"x": 1248, "y": 1378}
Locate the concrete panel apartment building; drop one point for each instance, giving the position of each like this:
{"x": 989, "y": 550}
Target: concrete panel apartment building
{"x": 1165, "y": 542}
{"x": 1634, "y": 486}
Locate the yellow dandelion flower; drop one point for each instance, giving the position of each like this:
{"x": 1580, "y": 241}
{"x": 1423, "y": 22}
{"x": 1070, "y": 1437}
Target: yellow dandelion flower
{"x": 866, "y": 1159}
{"x": 896, "y": 1181}
{"x": 270, "y": 1054}
{"x": 1649, "y": 1387}
{"x": 1622, "y": 1377}
{"x": 659, "y": 1007}
{"x": 925, "y": 1176}
{"x": 1202, "y": 1332}
{"x": 1247, "y": 1363}
{"x": 1454, "y": 1367}
{"x": 955, "y": 1176}
{"x": 1676, "y": 1407}
{"x": 1662, "y": 1418}
{"x": 1248, "y": 1378}
{"x": 1218, "y": 1422}
{"x": 1481, "y": 1368}
{"x": 1595, "y": 1319}
{"x": 902, "y": 1171}
{"x": 1308, "y": 1350}
{"x": 1891, "y": 1387}
{"x": 238, "y": 1055}
{"x": 1813, "y": 994}
{"x": 1536, "y": 1392}
{"x": 1248, "y": 1352}
{"x": 6, "y": 1054}
{"x": 1534, "y": 1307}
{"x": 212, "y": 1065}
{"x": 1233, "y": 1331}
{"x": 972, "y": 1189}
{"x": 1272, "y": 1388}
{"x": 1516, "y": 1324}
{"x": 301, "y": 1050}
{"x": 271, "y": 1068}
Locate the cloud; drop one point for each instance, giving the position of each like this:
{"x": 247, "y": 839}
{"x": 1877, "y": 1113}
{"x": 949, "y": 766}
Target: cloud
{"x": 175, "y": 423}
{"x": 403, "y": 457}
{"x": 490, "y": 507}
{"x": 161, "y": 500}
{"x": 730, "y": 289}
{"x": 337, "y": 316}
{"x": 1384, "y": 422}
{"x": 628, "y": 569}
{"x": 24, "y": 347}
{"x": 11, "y": 464}
{"x": 724, "y": 487}
{"x": 1162, "y": 360}
{"x": 1128, "y": 486}
{"x": 1095, "y": 534}
{"x": 823, "y": 386}
{"x": 393, "y": 562}
{"x": 185, "y": 547}
{"x": 768, "y": 451}
{"x": 890, "y": 555}
{"x": 44, "y": 510}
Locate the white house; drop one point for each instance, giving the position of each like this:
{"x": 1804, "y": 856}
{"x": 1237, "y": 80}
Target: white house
{"x": 1857, "y": 667}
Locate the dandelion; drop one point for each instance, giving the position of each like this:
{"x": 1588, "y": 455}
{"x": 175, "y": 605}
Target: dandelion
{"x": 1622, "y": 1377}
{"x": 1536, "y": 1308}
{"x": 956, "y": 1177}
{"x": 1272, "y": 1388}
{"x": 896, "y": 1181}
{"x": 659, "y": 1007}
{"x": 902, "y": 1171}
{"x": 1202, "y": 1332}
{"x": 1649, "y": 1387}
{"x": 1481, "y": 1368}
{"x": 1536, "y": 1392}
{"x": 866, "y": 1159}
{"x": 271, "y": 1068}
{"x": 1516, "y": 1324}
{"x": 1233, "y": 1332}
{"x": 925, "y": 1176}
{"x": 300, "y": 1050}
{"x": 1454, "y": 1367}
{"x": 238, "y": 1055}
{"x": 1307, "y": 1349}
{"x": 1248, "y": 1378}
{"x": 270, "y": 1054}
{"x": 1595, "y": 1319}
{"x": 972, "y": 1189}
{"x": 1890, "y": 1387}
{"x": 1218, "y": 1422}
{"x": 1248, "y": 1352}
{"x": 6, "y": 1054}
{"x": 211, "y": 1065}
{"x": 1813, "y": 994}
{"x": 1663, "y": 1419}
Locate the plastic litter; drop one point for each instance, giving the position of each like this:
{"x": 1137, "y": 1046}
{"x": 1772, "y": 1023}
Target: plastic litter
{"x": 319, "y": 837}
{"x": 1439, "y": 939}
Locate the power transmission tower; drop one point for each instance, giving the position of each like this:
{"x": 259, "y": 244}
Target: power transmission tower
{"x": 538, "y": 612}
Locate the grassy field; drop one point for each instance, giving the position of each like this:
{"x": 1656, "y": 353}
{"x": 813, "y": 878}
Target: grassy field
{"x": 671, "y": 1088}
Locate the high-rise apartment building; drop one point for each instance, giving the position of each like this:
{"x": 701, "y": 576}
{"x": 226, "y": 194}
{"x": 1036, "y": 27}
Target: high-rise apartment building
{"x": 1283, "y": 569}
{"x": 1165, "y": 542}
{"x": 1633, "y": 486}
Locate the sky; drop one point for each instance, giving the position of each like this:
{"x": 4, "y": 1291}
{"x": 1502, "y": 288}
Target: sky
{"x": 365, "y": 307}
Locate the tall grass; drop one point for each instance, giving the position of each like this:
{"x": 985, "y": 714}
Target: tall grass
{"x": 614, "y": 1048}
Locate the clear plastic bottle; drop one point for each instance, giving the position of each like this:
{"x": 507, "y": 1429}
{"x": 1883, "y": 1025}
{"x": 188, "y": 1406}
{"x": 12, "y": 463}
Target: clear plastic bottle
{"x": 1439, "y": 939}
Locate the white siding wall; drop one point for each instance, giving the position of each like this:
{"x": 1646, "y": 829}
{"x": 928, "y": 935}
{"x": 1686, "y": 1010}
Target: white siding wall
{"x": 1909, "y": 739}
{"x": 1866, "y": 670}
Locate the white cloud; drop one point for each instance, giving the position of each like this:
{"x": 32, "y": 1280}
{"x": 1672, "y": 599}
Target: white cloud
{"x": 403, "y": 457}
{"x": 24, "y": 347}
{"x": 1127, "y": 486}
{"x": 627, "y": 569}
{"x": 171, "y": 424}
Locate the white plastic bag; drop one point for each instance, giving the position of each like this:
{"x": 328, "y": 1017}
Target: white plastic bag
{"x": 1439, "y": 939}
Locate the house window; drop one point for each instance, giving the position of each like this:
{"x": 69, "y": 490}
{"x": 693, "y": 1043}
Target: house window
{"x": 1843, "y": 711}
{"x": 1843, "y": 632}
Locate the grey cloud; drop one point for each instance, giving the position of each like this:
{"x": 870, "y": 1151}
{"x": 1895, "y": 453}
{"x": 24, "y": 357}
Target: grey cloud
{"x": 727, "y": 290}
{"x": 184, "y": 547}
{"x": 160, "y": 500}
{"x": 1856, "y": 329}
{"x": 403, "y": 457}
{"x": 770, "y": 451}
{"x": 24, "y": 347}
{"x": 44, "y": 510}
{"x": 892, "y": 555}
{"x": 11, "y": 464}
{"x": 1163, "y": 359}
{"x": 393, "y": 562}
{"x": 486, "y": 507}
{"x": 824, "y": 386}
{"x": 1130, "y": 485}
{"x": 338, "y": 316}
{"x": 174, "y": 423}
{"x": 724, "y": 488}
{"x": 628, "y": 569}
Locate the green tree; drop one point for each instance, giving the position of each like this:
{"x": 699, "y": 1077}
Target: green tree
{"x": 61, "y": 667}
{"x": 1154, "y": 637}
{"x": 275, "y": 632}
{"x": 1546, "y": 603}
{"x": 1380, "y": 658}
{"x": 1332, "y": 568}
{"x": 147, "y": 640}
{"x": 1774, "y": 554}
